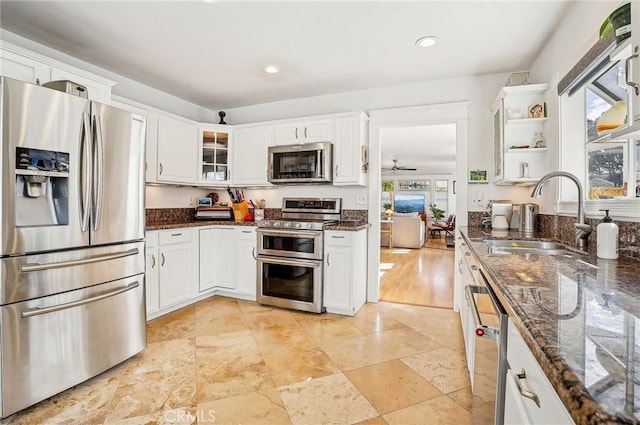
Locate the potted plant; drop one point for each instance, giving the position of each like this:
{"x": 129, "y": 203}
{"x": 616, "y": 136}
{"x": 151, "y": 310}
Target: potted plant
{"x": 436, "y": 212}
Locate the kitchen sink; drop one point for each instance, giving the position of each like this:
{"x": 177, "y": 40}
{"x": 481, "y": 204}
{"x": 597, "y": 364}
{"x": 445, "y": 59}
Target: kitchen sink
{"x": 507, "y": 246}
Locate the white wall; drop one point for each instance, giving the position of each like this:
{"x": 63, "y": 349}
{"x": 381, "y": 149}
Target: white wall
{"x": 573, "y": 38}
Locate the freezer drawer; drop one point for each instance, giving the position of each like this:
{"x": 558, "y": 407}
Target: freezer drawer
{"x": 32, "y": 276}
{"x": 53, "y": 343}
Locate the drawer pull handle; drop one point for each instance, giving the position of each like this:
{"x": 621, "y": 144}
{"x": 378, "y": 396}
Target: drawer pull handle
{"x": 337, "y": 237}
{"x": 162, "y": 255}
{"x": 153, "y": 263}
{"x": 523, "y": 387}
{"x": 247, "y": 231}
{"x": 176, "y": 234}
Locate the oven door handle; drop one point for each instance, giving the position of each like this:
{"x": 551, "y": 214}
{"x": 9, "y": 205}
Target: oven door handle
{"x": 297, "y": 233}
{"x": 481, "y": 330}
{"x": 289, "y": 262}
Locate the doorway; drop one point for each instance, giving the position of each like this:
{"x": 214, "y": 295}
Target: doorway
{"x": 384, "y": 120}
{"x": 418, "y": 174}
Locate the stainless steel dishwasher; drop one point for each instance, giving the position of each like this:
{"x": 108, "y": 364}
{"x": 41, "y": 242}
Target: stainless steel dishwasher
{"x": 490, "y": 352}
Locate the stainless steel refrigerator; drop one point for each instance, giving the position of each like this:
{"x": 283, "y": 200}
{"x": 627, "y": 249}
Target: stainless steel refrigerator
{"x": 72, "y": 241}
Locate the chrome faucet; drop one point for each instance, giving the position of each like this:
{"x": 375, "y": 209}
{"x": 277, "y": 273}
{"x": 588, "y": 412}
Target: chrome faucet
{"x": 583, "y": 230}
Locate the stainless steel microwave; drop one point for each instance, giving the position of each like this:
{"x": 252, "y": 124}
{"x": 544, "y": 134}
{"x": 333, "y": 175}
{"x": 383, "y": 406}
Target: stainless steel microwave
{"x": 301, "y": 164}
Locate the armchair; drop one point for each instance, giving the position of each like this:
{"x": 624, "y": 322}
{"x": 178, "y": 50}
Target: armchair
{"x": 448, "y": 227}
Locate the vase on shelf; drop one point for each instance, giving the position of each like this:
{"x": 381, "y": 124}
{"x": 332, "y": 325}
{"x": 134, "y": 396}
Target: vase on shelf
{"x": 538, "y": 140}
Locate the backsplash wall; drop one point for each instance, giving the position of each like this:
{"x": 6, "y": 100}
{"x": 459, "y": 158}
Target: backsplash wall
{"x": 561, "y": 227}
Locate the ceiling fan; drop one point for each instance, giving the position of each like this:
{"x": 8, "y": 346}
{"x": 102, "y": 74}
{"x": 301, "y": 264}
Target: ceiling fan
{"x": 396, "y": 167}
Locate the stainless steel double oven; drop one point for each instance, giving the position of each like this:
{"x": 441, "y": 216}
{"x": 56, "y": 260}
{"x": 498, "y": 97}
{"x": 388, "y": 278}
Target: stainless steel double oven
{"x": 290, "y": 254}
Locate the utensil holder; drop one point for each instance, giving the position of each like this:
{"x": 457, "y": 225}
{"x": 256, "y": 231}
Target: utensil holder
{"x": 259, "y": 214}
{"x": 240, "y": 210}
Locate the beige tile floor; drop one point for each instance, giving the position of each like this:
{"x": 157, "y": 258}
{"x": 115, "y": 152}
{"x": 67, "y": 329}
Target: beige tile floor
{"x": 225, "y": 361}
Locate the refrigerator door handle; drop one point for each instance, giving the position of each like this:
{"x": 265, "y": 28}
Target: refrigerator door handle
{"x": 38, "y": 311}
{"x": 85, "y": 173}
{"x": 36, "y": 267}
{"x": 99, "y": 179}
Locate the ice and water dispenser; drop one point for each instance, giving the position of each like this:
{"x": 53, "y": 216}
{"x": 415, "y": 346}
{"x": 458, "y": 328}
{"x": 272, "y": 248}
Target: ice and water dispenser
{"x": 42, "y": 187}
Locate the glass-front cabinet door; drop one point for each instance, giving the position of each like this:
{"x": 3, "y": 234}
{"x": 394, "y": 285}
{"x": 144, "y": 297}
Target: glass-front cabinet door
{"x": 214, "y": 155}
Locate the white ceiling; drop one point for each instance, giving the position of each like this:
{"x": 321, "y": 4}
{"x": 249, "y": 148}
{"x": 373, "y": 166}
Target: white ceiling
{"x": 211, "y": 52}
{"x": 430, "y": 148}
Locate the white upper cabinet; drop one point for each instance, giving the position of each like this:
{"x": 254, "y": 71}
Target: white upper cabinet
{"x": 23, "y": 68}
{"x": 25, "y": 65}
{"x": 151, "y": 139}
{"x": 215, "y": 145}
{"x": 249, "y": 155}
{"x": 519, "y": 117}
{"x": 177, "y": 151}
{"x": 350, "y": 150}
{"x": 304, "y": 132}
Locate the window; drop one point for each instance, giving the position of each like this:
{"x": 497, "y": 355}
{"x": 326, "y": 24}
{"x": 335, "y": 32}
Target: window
{"x": 416, "y": 195}
{"x": 598, "y": 145}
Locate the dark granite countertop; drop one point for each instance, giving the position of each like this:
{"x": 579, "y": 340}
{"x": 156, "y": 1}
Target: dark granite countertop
{"x": 347, "y": 226}
{"x": 165, "y": 224}
{"x": 580, "y": 316}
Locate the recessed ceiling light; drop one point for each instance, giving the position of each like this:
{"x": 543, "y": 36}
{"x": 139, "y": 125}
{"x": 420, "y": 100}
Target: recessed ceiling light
{"x": 271, "y": 69}
{"x": 426, "y": 41}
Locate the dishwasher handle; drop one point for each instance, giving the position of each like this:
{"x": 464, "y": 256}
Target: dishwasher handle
{"x": 481, "y": 330}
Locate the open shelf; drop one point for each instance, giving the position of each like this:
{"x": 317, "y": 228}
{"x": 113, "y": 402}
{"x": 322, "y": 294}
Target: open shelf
{"x": 527, "y": 150}
{"x": 524, "y": 121}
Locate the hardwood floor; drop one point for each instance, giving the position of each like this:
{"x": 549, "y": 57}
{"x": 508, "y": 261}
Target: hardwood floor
{"x": 418, "y": 276}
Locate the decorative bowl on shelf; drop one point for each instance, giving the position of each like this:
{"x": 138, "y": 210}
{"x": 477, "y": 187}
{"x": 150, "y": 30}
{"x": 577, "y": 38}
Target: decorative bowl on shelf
{"x": 514, "y": 113}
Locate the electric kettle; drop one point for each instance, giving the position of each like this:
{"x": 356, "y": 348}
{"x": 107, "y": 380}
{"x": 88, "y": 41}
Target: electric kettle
{"x": 528, "y": 218}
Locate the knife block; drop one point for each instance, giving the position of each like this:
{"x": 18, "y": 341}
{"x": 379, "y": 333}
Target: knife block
{"x": 240, "y": 210}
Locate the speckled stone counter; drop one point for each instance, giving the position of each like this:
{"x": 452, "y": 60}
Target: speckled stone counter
{"x": 347, "y": 226}
{"x": 174, "y": 218}
{"x": 580, "y": 317}
{"x": 163, "y": 225}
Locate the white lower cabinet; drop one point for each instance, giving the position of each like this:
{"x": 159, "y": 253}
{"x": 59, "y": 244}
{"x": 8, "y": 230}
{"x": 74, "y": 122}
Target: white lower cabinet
{"x": 468, "y": 269}
{"x": 227, "y": 260}
{"x": 176, "y": 270}
{"x": 151, "y": 276}
{"x": 345, "y": 271}
{"x": 217, "y": 258}
{"x": 246, "y": 260}
{"x": 529, "y": 396}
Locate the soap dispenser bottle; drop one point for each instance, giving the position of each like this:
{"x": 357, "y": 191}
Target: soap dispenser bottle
{"x": 607, "y": 238}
